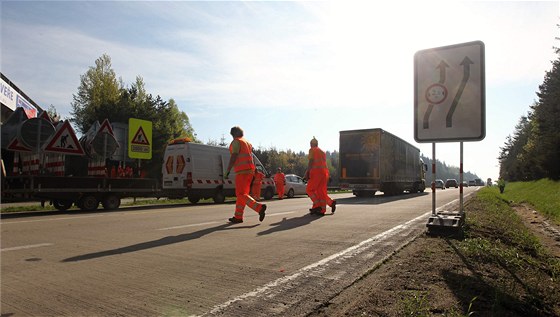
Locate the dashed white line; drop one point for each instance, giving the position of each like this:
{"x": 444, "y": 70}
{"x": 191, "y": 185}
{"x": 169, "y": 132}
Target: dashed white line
{"x": 23, "y": 247}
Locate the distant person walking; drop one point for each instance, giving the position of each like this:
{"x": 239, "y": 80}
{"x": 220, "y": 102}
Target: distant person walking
{"x": 317, "y": 175}
{"x": 257, "y": 184}
{"x": 280, "y": 182}
{"x": 241, "y": 160}
{"x": 501, "y": 185}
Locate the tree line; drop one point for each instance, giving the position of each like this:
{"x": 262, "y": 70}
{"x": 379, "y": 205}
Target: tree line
{"x": 533, "y": 151}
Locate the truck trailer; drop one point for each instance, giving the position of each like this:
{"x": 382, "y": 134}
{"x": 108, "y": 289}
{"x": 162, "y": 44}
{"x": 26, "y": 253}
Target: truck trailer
{"x": 374, "y": 160}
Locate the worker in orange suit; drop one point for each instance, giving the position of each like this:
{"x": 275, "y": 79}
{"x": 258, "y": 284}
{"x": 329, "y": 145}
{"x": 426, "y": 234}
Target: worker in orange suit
{"x": 280, "y": 182}
{"x": 241, "y": 160}
{"x": 317, "y": 174}
{"x": 257, "y": 184}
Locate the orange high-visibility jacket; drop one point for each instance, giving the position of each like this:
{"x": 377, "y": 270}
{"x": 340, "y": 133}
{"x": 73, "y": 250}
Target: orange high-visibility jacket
{"x": 318, "y": 160}
{"x": 245, "y": 156}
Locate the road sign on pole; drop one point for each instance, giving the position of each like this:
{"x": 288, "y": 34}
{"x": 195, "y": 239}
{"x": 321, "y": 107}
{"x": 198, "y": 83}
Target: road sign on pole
{"x": 139, "y": 138}
{"x": 449, "y": 93}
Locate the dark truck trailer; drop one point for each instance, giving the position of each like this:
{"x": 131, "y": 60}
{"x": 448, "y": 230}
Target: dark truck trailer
{"x": 85, "y": 192}
{"x": 374, "y": 160}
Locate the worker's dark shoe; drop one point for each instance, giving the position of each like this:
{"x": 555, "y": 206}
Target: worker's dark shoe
{"x": 235, "y": 220}
{"x": 314, "y": 211}
{"x": 333, "y": 206}
{"x": 262, "y": 213}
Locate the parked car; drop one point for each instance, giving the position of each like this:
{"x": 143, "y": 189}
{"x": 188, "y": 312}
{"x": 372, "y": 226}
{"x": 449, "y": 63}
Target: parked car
{"x": 465, "y": 184}
{"x": 472, "y": 183}
{"x": 439, "y": 184}
{"x": 295, "y": 185}
{"x": 451, "y": 182}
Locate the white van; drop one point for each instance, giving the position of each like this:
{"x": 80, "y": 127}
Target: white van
{"x": 197, "y": 171}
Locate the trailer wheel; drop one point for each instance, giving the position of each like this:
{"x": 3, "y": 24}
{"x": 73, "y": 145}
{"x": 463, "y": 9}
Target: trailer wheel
{"x": 219, "y": 197}
{"x": 268, "y": 194}
{"x": 88, "y": 203}
{"x": 62, "y": 205}
{"x": 111, "y": 202}
{"x": 194, "y": 199}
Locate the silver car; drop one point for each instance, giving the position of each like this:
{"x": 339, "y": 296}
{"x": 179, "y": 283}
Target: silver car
{"x": 295, "y": 185}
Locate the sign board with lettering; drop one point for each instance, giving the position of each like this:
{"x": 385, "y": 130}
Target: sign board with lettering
{"x": 139, "y": 139}
{"x": 449, "y": 93}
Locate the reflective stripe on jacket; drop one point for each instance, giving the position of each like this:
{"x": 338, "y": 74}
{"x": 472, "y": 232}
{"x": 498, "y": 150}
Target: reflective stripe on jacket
{"x": 244, "y": 157}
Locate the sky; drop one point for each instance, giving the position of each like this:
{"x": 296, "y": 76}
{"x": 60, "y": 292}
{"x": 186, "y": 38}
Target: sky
{"x": 286, "y": 71}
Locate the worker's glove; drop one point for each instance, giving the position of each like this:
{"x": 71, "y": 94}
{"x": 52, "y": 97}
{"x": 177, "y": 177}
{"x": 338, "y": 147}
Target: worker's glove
{"x": 226, "y": 175}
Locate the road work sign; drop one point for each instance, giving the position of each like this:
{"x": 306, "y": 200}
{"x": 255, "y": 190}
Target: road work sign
{"x": 449, "y": 93}
{"x": 139, "y": 139}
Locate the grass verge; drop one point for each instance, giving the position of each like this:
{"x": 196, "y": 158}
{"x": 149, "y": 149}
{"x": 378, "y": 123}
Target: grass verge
{"x": 542, "y": 194}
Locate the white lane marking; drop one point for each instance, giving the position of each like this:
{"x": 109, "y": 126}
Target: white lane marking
{"x": 280, "y": 213}
{"x": 191, "y": 225}
{"x": 23, "y": 247}
{"x": 41, "y": 220}
{"x": 348, "y": 253}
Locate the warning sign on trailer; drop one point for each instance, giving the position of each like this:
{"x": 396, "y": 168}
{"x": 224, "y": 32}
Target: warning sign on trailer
{"x": 139, "y": 139}
{"x": 64, "y": 141}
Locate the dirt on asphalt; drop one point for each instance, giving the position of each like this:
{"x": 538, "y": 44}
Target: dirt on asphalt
{"x": 432, "y": 276}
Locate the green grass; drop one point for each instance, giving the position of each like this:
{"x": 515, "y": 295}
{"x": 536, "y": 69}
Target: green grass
{"x": 543, "y": 195}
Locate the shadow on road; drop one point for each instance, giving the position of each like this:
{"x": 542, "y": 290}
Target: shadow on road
{"x": 291, "y": 223}
{"x": 377, "y": 199}
{"x": 156, "y": 243}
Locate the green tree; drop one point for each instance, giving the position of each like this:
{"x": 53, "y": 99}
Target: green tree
{"x": 546, "y": 137}
{"x": 99, "y": 90}
{"x": 100, "y": 96}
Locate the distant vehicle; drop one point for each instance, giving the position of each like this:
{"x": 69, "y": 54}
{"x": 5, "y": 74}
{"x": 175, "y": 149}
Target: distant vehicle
{"x": 375, "y": 160}
{"x": 295, "y": 185}
{"x": 472, "y": 183}
{"x": 451, "y": 182}
{"x": 479, "y": 182}
{"x": 439, "y": 184}
{"x": 465, "y": 184}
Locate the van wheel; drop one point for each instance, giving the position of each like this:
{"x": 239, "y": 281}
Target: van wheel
{"x": 291, "y": 193}
{"x": 111, "y": 202}
{"x": 88, "y": 203}
{"x": 195, "y": 199}
{"x": 219, "y": 197}
{"x": 268, "y": 194}
{"x": 62, "y": 205}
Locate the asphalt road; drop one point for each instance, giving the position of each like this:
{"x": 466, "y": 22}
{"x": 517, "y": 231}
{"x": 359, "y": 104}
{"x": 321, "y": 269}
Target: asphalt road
{"x": 188, "y": 261}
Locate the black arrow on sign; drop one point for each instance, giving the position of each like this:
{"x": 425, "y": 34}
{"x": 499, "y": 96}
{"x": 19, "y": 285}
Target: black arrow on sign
{"x": 466, "y": 63}
{"x": 442, "y": 72}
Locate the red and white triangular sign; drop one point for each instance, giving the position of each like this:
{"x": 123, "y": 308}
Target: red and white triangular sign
{"x": 140, "y": 137}
{"x": 16, "y": 145}
{"x": 106, "y": 127}
{"x": 64, "y": 141}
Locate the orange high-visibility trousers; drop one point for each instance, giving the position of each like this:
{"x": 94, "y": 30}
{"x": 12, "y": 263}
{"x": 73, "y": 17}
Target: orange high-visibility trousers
{"x": 256, "y": 189}
{"x": 317, "y": 190}
{"x": 242, "y": 190}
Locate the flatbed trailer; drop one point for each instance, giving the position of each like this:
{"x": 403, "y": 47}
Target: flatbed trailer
{"x": 86, "y": 192}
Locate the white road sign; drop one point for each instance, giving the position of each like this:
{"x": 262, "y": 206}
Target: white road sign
{"x": 449, "y": 93}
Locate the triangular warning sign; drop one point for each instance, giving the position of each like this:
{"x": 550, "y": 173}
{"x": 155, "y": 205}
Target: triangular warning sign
{"x": 16, "y": 145}
{"x": 45, "y": 115}
{"x": 64, "y": 141}
{"x": 106, "y": 127}
{"x": 140, "y": 138}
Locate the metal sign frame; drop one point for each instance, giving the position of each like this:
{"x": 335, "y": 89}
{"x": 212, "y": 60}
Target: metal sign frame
{"x": 449, "y": 93}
